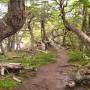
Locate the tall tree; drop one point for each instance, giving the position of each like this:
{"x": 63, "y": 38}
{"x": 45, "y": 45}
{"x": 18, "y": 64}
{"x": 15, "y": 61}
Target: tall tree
{"x": 13, "y": 20}
{"x": 82, "y": 35}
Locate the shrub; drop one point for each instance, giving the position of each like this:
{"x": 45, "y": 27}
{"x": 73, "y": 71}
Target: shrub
{"x": 75, "y": 55}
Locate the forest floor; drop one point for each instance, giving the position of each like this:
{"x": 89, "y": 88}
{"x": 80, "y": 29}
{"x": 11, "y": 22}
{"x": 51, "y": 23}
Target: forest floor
{"x": 51, "y": 76}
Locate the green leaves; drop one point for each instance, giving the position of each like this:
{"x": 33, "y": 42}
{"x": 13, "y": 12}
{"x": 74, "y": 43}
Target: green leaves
{"x": 85, "y": 2}
{"x": 4, "y": 1}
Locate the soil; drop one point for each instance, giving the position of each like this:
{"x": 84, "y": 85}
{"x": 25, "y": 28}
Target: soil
{"x": 52, "y": 76}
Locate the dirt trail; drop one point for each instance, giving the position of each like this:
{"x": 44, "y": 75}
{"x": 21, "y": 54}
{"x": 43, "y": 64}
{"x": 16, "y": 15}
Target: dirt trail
{"x": 49, "y": 77}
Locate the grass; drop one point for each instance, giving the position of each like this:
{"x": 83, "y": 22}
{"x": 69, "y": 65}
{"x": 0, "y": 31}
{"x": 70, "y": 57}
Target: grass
{"x": 35, "y": 61}
{"x": 78, "y": 57}
{"x": 38, "y": 60}
{"x": 7, "y": 84}
{"x": 41, "y": 58}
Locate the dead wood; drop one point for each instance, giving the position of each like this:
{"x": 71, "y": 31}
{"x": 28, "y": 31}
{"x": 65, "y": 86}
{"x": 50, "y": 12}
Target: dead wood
{"x": 10, "y": 67}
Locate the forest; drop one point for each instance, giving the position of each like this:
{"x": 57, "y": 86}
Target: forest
{"x": 44, "y": 44}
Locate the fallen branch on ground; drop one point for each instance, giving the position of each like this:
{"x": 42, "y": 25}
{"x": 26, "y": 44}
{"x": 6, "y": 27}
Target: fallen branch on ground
{"x": 10, "y": 67}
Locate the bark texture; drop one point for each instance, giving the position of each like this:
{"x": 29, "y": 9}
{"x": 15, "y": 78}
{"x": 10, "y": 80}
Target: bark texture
{"x": 13, "y": 20}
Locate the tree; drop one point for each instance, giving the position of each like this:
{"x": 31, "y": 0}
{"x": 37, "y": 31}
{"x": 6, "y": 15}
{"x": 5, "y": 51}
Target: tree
{"x": 30, "y": 27}
{"x": 13, "y": 20}
{"x": 82, "y": 35}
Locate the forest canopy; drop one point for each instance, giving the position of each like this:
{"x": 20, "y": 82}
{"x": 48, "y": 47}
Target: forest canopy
{"x": 34, "y": 33}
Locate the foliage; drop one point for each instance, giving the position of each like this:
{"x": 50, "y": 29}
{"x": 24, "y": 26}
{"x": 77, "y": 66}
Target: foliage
{"x": 7, "y": 83}
{"x": 42, "y": 59}
{"x": 78, "y": 57}
{"x": 38, "y": 59}
{"x": 4, "y": 1}
{"x": 86, "y": 2}
{"x": 28, "y": 60}
{"x": 75, "y": 55}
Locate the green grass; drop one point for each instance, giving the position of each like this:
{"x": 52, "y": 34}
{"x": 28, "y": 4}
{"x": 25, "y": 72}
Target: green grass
{"x": 75, "y": 55}
{"x": 35, "y": 61}
{"x": 7, "y": 84}
{"x": 78, "y": 57}
{"x": 41, "y": 58}
{"x": 38, "y": 60}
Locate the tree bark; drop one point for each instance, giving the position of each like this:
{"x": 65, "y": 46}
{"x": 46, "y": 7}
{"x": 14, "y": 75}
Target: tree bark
{"x": 13, "y": 20}
{"x": 89, "y": 20}
{"x": 43, "y": 33}
{"x": 64, "y": 37}
{"x": 84, "y": 25}
{"x": 31, "y": 33}
{"x": 11, "y": 43}
{"x": 82, "y": 35}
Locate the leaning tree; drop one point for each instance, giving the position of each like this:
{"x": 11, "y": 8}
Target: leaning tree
{"x": 82, "y": 35}
{"x": 13, "y": 20}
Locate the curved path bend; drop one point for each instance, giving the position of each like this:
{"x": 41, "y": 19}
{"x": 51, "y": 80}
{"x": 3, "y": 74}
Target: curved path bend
{"x": 51, "y": 76}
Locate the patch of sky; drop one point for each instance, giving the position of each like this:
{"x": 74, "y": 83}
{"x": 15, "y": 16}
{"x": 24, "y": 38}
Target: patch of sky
{"x": 3, "y": 9}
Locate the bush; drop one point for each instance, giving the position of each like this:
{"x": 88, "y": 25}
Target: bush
{"x": 75, "y": 55}
{"x": 79, "y": 57}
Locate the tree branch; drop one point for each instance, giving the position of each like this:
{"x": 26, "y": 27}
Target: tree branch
{"x": 13, "y": 20}
{"x": 83, "y": 37}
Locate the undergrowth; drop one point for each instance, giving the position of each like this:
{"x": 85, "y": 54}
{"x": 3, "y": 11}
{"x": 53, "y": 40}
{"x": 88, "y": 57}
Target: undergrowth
{"x": 27, "y": 60}
{"x": 7, "y": 84}
{"x": 37, "y": 60}
{"x": 78, "y": 57}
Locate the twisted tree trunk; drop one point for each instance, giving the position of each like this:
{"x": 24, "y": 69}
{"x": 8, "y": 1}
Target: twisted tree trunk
{"x": 13, "y": 20}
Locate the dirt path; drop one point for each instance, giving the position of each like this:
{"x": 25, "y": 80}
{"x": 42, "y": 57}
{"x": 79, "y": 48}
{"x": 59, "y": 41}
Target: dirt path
{"x": 49, "y": 77}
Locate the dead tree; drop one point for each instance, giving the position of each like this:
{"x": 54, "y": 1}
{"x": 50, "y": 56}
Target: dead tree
{"x": 13, "y": 20}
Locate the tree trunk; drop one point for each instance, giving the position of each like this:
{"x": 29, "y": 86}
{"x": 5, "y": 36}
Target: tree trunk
{"x": 11, "y": 43}
{"x": 18, "y": 41}
{"x": 89, "y": 20}
{"x": 31, "y": 34}
{"x": 13, "y": 20}
{"x": 84, "y": 25}
{"x": 43, "y": 33}
{"x": 83, "y": 36}
{"x": 64, "y": 37}
{"x": 3, "y": 51}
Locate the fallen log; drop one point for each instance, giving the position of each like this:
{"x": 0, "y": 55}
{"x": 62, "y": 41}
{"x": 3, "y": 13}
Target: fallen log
{"x": 17, "y": 79}
{"x": 10, "y": 67}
